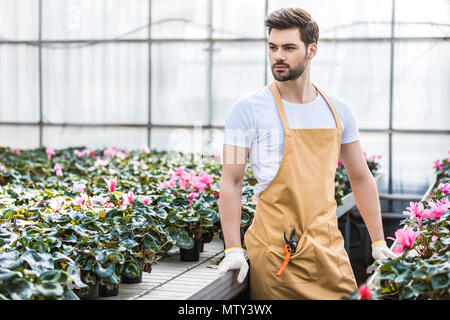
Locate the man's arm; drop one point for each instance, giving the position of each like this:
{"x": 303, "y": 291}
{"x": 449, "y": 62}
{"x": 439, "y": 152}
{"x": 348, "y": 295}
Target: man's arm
{"x": 364, "y": 188}
{"x": 230, "y": 196}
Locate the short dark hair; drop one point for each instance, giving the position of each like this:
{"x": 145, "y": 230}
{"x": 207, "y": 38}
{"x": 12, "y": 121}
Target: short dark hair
{"x": 288, "y": 18}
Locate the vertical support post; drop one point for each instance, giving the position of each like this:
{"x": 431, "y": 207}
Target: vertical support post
{"x": 40, "y": 73}
{"x": 391, "y": 92}
{"x": 149, "y": 122}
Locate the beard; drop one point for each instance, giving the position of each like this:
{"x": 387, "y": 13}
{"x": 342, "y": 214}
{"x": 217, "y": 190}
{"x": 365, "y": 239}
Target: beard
{"x": 290, "y": 73}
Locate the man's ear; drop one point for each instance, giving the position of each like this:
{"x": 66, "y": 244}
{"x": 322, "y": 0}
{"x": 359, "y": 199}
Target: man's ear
{"x": 312, "y": 50}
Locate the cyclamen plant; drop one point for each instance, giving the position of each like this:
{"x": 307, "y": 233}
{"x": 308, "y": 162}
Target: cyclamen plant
{"x": 422, "y": 269}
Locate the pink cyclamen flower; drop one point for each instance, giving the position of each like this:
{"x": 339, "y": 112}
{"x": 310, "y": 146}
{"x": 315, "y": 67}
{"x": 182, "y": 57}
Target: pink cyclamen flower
{"x": 82, "y": 200}
{"x": 405, "y": 239}
{"x": 417, "y": 210}
{"x": 101, "y": 200}
{"x": 445, "y": 188}
{"x": 164, "y": 185}
{"x": 365, "y": 293}
{"x": 79, "y": 187}
{"x": 3, "y": 169}
{"x": 438, "y": 165}
{"x": 56, "y": 203}
{"x": 193, "y": 195}
{"x": 111, "y": 183}
{"x": 146, "y": 201}
{"x": 434, "y": 238}
{"x": 100, "y": 163}
{"x": 50, "y": 152}
{"x": 437, "y": 209}
{"x": 145, "y": 149}
{"x": 110, "y": 205}
{"x": 58, "y": 170}
{"x": 15, "y": 150}
{"x": 206, "y": 178}
{"x": 128, "y": 198}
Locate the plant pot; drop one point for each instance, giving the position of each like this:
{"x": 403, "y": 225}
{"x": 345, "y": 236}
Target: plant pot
{"x": 138, "y": 279}
{"x": 105, "y": 292}
{"x": 202, "y": 246}
{"x": 192, "y": 254}
{"x": 93, "y": 292}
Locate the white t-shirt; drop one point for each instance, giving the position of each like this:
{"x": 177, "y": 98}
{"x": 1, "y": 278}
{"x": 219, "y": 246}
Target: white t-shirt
{"x": 253, "y": 122}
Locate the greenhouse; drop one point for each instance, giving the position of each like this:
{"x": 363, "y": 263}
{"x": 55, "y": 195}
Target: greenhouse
{"x": 224, "y": 150}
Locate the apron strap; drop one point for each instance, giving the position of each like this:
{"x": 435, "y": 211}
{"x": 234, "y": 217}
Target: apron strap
{"x": 330, "y": 104}
{"x": 277, "y": 97}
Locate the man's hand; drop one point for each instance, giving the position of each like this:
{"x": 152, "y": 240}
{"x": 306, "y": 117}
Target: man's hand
{"x": 234, "y": 259}
{"x": 381, "y": 251}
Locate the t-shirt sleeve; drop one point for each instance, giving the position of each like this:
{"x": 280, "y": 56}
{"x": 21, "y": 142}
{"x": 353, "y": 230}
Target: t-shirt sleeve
{"x": 239, "y": 125}
{"x": 350, "y": 132}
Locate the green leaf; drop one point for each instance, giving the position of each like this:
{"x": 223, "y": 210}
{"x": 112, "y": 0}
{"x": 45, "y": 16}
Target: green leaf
{"x": 6, "y": 274}
{"x": 440, "y": 281}
{"x": 54, "y": 276}
{"x": 8, "y": 214}
{"x": 105, "y": 272}
{"x": 183, "y": 240}
{"x": 50, "y": 289}
{"x": 18, "y": 288}
{"x": 38, "y": 261}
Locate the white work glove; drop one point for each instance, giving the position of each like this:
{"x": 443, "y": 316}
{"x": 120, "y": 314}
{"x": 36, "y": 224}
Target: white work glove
{"x": 381, "y": 251}
{"x": 234, "y": 259}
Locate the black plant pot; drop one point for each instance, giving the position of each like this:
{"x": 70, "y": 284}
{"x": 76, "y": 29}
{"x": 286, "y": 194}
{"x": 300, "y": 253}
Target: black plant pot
{"x": 138, "y": 279}
{"x": 202, "y": 246}
{"x": 105, "y": 292}
{"x": 192, "y": 254}
{"x": 93, "y": 292}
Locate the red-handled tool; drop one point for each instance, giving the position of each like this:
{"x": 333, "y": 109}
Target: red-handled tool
{"x": 289, "y": 249}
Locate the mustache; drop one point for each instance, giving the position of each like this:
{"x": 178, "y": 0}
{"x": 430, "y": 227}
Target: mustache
{"x": 280, "y": 64}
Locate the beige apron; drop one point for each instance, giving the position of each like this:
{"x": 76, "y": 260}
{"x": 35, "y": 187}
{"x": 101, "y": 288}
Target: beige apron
{"x": 300, "y": 196}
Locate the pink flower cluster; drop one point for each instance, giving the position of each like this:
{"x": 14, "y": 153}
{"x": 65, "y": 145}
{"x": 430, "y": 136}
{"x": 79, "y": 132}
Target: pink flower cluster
{"x": 445, "y": 188}
{"x": 405, "y": 239}
{"x": 438, "y": 165}
{"x": 417, "y": 209}
{"x": 192, "y": 183}
{"x": 58, "y": 170}
{"x": 84, "y": 153}
{"x": 50, "y": 152}
{"x": 115, "y": 152}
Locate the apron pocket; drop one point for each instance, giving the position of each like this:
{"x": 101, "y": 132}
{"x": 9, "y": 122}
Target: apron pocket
{"x": 301, "y": 267}
{"x": 338, "y": 250}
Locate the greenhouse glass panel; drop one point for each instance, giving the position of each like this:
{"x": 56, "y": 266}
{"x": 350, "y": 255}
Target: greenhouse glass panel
{"x": 238, "y": 68}
{"x": 179, "y": 87}
{"x": 359, "y": 74}
{"x": 416, "y": 18}
{"x": 421, "y": 85}
{"x": 21, "y": 137}
{"x": 96, "y": 137}
{"x": 87, "y": 19}
{"x": 180, "y": 19}
{"x": 181, "y": 139}
{"x": 413, "y": 158}
{"x": 105, "y": 83}
{"x": 238, "y": 19}
{"x": 19, "y": 19}
{"x": 345, "y": 18}
{"x": 19, "y": 83}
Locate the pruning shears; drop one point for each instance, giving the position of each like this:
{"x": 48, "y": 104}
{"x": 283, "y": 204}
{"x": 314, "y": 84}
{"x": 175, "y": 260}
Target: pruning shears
{"x": 289, "y": 249}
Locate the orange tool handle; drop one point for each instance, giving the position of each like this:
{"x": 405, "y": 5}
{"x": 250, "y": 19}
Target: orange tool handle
{"x": 287, "y": 257}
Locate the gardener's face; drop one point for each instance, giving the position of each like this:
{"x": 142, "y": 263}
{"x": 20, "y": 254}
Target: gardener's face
{"x": 287, "y": 54}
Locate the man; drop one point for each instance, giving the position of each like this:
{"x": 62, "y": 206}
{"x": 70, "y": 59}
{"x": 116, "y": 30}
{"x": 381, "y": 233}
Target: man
{"x": 295, "y": 173}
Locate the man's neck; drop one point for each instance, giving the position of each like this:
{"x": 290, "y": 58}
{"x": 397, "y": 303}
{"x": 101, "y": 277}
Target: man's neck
{"x": 299, "y": 90}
